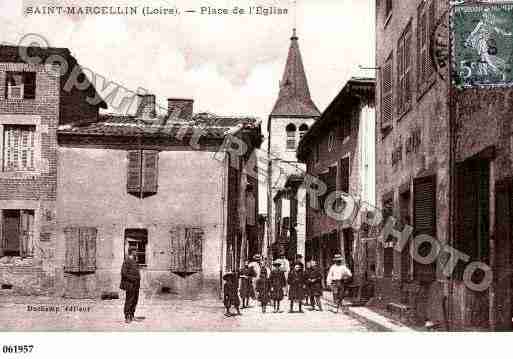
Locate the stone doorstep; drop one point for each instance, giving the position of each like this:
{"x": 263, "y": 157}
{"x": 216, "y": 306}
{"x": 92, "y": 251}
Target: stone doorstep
{"x": 400, "y": 310}
{"x": 365, "y": 314}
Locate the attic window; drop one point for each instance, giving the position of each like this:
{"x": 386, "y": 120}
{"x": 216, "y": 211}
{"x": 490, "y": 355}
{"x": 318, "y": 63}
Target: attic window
{"x": 303, "y": 129}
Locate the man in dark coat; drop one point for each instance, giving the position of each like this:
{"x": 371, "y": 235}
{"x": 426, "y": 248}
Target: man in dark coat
{"x": 314, "y": 280}
{"x": 296, "y": 283}
{"x": 130, "y": 282}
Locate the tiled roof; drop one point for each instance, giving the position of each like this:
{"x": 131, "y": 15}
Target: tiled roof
{"x": 213, "y": 127}
{"x": 294, "y": 97}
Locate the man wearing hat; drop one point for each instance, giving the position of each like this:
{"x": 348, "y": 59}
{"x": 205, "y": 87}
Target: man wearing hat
{"x": 277, "y": 281}
{"x": 337, "y": 276}
{"x": 230, "y": 293}
{"x": 255, "y": 265}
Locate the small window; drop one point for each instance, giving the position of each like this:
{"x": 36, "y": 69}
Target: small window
{"x": 303, "y": 129}
{"x": 19, "y": 145}
{"x": 331, "y": 142}
{"x": 137, "y": 239}
{"x": 20, "y": 85}
{"x": 17, "y": 233}
{"x": 291, "y": 136}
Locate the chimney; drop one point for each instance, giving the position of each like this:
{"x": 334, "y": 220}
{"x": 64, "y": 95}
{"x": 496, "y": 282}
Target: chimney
{"x": 180, "y": 109}
{"x": 146, "y": 107}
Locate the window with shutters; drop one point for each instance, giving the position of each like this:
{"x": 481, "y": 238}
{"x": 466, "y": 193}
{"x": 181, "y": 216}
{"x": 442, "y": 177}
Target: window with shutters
{"x": 80, "y": 249}
{"x": 17, "y": 233}
{"x": 186, "y": 250}
{"x": 404, "y": 66}
{"x": 387, "y": 93}
{"x": 20, "y": 85}
{"x": 19, "y": 148}
{"x": 426, "y": 17}
{"x": 137, "y": 239}
{"x": 142, "y": 172}
{"x": 424, "y": 223}
{"x": 473, "y": 206}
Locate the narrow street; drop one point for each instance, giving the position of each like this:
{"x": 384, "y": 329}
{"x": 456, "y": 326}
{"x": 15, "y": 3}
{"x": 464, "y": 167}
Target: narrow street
{"x": 164, "y": 315}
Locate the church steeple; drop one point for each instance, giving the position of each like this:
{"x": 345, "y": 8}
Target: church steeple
{"x": 294, "y": 98}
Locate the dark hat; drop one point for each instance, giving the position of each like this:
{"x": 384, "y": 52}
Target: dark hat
{"x": 228, "y": 275}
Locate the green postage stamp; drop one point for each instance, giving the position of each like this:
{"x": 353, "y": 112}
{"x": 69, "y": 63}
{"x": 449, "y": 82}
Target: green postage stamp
{"x": 483, "y": 44}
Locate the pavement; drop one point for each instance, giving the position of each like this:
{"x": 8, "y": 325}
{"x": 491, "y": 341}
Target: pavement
{"x": 370, "y": 317}
{"x": 167, "y": 314}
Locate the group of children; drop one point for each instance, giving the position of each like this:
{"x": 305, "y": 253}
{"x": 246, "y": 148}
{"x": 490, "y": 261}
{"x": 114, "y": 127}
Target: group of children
{"x": 270, "y": 285}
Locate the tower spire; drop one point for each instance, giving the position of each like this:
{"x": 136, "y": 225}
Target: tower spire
{"x": 294, "y": 97}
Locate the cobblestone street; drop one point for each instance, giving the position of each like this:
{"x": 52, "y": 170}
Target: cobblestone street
{"x": 164, "y": 315}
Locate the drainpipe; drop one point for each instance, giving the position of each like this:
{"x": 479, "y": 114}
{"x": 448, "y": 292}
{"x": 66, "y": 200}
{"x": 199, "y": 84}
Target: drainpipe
{"x": 224, "y": 234}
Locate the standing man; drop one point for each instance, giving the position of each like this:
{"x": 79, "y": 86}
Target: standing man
{"x": 337, "y": 276}
{"x": 130, "y": 282}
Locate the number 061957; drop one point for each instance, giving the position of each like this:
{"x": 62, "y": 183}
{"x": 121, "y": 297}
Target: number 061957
{"x": 17, "y": 349}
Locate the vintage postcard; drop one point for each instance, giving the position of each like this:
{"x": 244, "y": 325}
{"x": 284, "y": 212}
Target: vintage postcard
{"x": 255, "y": 166}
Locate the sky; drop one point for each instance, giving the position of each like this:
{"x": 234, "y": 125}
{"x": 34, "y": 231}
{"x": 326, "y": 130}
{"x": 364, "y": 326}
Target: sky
{"x": 229, "y": 65}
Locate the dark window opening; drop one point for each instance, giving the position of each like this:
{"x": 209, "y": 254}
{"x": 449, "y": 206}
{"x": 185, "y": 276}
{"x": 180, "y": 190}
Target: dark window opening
{"x": 17, "y": 233}
{"x": 137, "y": 239}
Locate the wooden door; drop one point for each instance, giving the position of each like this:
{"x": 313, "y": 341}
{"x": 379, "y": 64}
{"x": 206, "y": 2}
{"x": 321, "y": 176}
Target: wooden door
{"x": 503, "y": 259}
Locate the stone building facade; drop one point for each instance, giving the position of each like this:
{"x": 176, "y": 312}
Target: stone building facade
{"x": 34, "y": 101}
{"x": 338, "y": 150}
{"x": 176, "y": 195}
{"x": 414, "y": 110}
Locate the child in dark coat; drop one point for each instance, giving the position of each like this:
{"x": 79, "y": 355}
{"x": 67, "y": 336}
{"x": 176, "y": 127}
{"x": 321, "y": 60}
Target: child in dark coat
{"x": 230, "y": 291}
{"x": 277, "y": 282}
{"x": 246, "y": 284}
{"x": 263, "y": 288}
{"x": 296, "y": 283}
{"x": 314, "y": 279}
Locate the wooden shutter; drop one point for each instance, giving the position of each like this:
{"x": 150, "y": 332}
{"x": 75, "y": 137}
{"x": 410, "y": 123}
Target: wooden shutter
{"x": 400, "y": 73}
{"x": 387, "y": 93}
{"x": 87, "y": 245}
{"x": 432, "y": 19}
{"x": 422, "y": 36}
{"x": 193, "y": 249}
{"x": 134, "y": 171}
{"x": 27, "y": 233}
{"x": 424, "y": 221}
{"x": 29, "y": 80}
{"x": 150, "y": 171}
{"x": 177, "y": 241}
{"x": 72, "y": 261}
{"x": 407, "y": 69}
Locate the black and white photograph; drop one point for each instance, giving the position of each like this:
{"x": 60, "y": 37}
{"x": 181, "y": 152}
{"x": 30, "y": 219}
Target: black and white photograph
{"x": 246, "y": 166}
